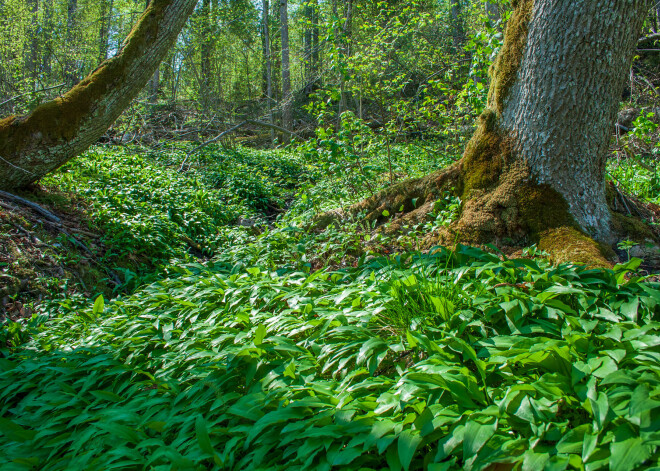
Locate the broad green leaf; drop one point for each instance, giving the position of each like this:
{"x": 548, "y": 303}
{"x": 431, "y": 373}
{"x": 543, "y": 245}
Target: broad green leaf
{"x": 15, "y": 432}
{"x": 407, "y": 447}
{"x": 628, "y": 454}
{"x": 99, "y": 306}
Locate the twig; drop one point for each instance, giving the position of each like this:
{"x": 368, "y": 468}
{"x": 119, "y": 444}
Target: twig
{"x": 649, "y": 38}
{"x": 275, "y": 127}
{"x": 45, "y": 213}
{"x": 211, "y": 141}
{"x": 234, "y": 128}
{"x": 30, "y": 93}
{"x": 16, "y": 167}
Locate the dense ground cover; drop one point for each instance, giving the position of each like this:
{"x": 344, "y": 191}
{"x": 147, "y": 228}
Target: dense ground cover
{"x": 287, "y": 349}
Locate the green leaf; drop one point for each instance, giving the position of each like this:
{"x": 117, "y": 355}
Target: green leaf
{"x": 203, "y": 439}
{"x": 260, "y": 335}
{"x": 628, "y": 454}
{"x": 476, "y": 436}
{"x": 407, "y": 446}
{"x": 107, "y": 396}
{"x": 99, "y": 306}
{"x": 15, "y": 432}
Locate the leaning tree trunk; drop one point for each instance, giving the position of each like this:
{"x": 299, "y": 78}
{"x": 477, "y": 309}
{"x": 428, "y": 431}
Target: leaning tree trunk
{"x": 31, "y": 146}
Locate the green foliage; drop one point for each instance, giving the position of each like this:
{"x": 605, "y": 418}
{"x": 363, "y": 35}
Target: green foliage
{"x": 243, "y": 367}
{"x": 152, "y": 212}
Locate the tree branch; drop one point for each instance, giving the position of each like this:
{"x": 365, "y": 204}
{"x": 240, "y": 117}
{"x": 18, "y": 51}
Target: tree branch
{"x": 45, "y": 213}
{"x": 234, "y": 128}
{"x": 648, "y": 39}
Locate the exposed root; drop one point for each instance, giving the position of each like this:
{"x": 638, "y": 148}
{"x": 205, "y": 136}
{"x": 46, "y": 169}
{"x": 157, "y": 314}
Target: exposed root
{"x": 405, "y": 203}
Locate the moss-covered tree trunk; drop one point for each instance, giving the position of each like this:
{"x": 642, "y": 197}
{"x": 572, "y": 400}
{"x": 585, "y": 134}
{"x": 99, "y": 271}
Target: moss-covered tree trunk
{"x": 561, "y": 108}
{"x": 534, "y": 170}
{"x": 552, "y": 104}
{"x": 31, "y": 146}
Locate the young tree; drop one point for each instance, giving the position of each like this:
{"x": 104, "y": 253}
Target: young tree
{"x": 70, "y": 75}
{"x": 287, "y": 100}
{"x": 104, "y": 28}
{"x": 33, "y": 145}
{"x": 206, "y": 53}
{"x": 268, "y": 70}
{"x": 534, "y": 169}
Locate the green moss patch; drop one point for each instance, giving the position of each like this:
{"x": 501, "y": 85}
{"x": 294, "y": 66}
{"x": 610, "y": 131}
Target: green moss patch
{"x": 483, "y": 158}
{"x": 567, "y": 244}
{"x": 504, "y": 70}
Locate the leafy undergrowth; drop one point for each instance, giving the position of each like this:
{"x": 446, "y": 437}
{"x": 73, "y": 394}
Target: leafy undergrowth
{"x": 156, "y": 207}
{"x": 449, "y": 360}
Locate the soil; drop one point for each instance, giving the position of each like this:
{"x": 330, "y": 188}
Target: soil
{"x": 39, "y": 257}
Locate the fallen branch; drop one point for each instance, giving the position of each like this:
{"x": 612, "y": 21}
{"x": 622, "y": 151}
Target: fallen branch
{"x": 17, "y": 199}
{"x": 234, "y": 128}
{"x": 30, "y": 93}
{"x": 649, "y": 38}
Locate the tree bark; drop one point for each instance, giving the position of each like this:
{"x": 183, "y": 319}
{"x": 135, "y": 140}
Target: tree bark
{"x": 33, "y": 145}
{"x": 558, "y": 103}
{"x": 286, "y": 68}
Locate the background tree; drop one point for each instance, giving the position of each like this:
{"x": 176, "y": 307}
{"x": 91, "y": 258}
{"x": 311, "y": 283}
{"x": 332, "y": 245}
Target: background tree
{"x": 287, "y": 101}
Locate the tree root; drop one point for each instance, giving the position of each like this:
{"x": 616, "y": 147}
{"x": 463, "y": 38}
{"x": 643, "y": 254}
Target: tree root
{"x": 514, "y": 213}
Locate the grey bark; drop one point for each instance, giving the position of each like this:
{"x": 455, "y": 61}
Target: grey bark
{"x": 32, "y": 146}
{"x": 287, "y": 99}
{"x": 562, "y": 106}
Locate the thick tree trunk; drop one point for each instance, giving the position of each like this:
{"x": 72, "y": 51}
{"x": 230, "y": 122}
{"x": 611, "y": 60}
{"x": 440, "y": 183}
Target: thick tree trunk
{"x": 286, "y": 68}
{"x": 534, "y": 170}
{"x": 33, "y": 145}
{"x": 556, "y": 88}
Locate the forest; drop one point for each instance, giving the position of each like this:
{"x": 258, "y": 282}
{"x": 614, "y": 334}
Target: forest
{"x": 330, "y": 235}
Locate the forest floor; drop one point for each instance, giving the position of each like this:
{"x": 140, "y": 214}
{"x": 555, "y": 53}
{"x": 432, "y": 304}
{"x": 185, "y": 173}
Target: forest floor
{"x": 235, "y": 340}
